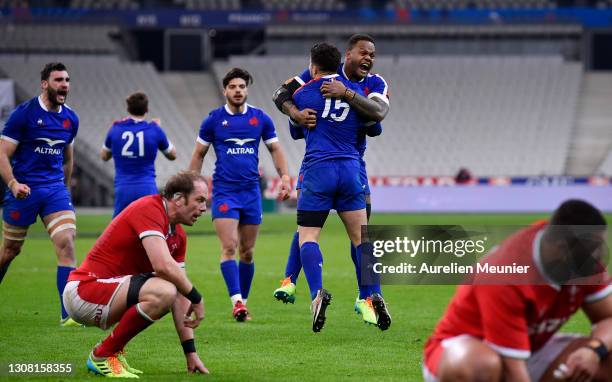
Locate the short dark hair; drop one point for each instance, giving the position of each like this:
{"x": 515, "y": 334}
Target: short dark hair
{"x": 325, "y": 56}
{"x": 181, "y": 183}
{"x": 354, "y": 39}
{"x": 51, "y": 67}
{"x": 577, "y": 212}
{"x": 137, "y": 103}
{"x": 237, "y": 73}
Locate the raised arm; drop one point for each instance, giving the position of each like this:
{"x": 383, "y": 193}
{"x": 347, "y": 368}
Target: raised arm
{"x": 369, "y": 108}
{"x": 283, "y": 99}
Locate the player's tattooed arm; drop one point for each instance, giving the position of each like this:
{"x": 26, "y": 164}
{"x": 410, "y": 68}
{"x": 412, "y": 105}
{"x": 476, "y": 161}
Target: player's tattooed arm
{"x": 197, "y": 158}
{"x": 283, "y": 99}
{"x": 370, "y": 109}
{"x": 68, "y": 164}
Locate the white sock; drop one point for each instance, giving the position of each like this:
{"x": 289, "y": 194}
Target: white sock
{"x": 244, "y": 301}
{"x": 235, "y": 298}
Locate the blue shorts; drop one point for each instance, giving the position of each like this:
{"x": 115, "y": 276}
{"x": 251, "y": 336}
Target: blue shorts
{"x": 242, "y": 204}
{"x": 43, "y": 200}
{"x": 362, "y": 174}
{"x": 127, "y": 193}
{"x": 332, "y": 185}
{"x": 364, "y": 177}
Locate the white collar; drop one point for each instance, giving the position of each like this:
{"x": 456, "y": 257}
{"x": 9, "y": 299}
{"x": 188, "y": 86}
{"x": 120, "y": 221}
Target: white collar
{"x": 42, "y": 105}
{"x": 347, "y": 77}
{"x": 537, "y": 260}
{"x": 136, "y": 119}
{"x": 331, "y": 76}
{"x": 227, "y": 109}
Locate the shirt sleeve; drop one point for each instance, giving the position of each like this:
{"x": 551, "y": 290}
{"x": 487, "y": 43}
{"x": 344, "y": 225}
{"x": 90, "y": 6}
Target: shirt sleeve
{"x": 75, "y": 128}
{"x": 268, "y": 132}
{"x": 504, "y": 322}
{"x": 304, "y": 77}
{"x": 296, "y": 131}
{"x": 379, "y": 88}
{"x": 207, "y": 132}
{"x": 163, "y": 144}
{"x": 594, "y": 293}
{"x": 108, "y": 142}
{"x": 373, "y": 129}
{"x": 15, "y": 126}
{"x": 148, "y": 221}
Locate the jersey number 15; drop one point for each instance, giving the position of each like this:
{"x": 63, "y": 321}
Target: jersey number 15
{"x": 338, "y": 105}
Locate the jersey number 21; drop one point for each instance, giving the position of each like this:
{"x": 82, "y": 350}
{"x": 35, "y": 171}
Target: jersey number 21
{"x": 129, "y": 137}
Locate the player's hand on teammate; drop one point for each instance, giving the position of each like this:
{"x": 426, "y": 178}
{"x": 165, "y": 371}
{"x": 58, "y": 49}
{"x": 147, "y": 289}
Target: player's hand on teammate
{"x": 333, "y": 89}
{"x": 19, "y": 190}
{"x": 198, "y": 311}
{"x": 285, "y": 190}
{"x": 306, "y": 117}
{"x": 581, "y": 366}
{"x": 195, "y": 364}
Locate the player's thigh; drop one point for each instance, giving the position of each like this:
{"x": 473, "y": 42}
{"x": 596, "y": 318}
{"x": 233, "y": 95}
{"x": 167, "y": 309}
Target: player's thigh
{"x": 545, "y": 361}
{"x": 12, "y": 238}
{"x": 61, "y": 226}
{"x": 353, "y": 221}
{"x": 227, "y": 231}
{"x": 468, "y": 358}
{"x": 247, "y": 235}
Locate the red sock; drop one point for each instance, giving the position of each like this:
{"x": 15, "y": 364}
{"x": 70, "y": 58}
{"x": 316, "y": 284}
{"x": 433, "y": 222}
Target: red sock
{"x": 128, "y": 327}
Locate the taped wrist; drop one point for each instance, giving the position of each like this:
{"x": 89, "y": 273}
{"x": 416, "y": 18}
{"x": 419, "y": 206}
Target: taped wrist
{"x": 194, "y": 296}
{"x": 188, "y": 346}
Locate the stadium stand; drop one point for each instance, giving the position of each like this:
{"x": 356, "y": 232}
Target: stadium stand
{"x": 606, "y": 165}
{"x": 40, "y": 38}
{"x": 493, "y": 115}
{"x": 100, "y": 85}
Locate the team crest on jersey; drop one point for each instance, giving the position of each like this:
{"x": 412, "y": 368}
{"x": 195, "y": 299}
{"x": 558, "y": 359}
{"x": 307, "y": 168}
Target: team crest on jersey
{"x": 40, "y": 122}
{"x": 253, "y": 121}
{"x": 366, "y": 90}
{"x": 66, "y": 124}
{"x": 15, "y": 214}
{"x": 224, "y": 123}
{"x": 223, "y": 208}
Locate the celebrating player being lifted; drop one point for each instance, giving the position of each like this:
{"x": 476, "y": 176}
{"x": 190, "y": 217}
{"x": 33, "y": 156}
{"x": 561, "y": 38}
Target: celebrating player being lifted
{"x": 133, "y": 143}
{"x": 133, "y": 273}
{"x": 36, "y": 152}
{"x": 235, "y": 130}
{"x": 372, "y": 106}
{"x": 331, "y": 172}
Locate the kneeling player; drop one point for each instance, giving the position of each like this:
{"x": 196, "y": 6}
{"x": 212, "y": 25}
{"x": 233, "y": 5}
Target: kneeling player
{"x": 507, "y": 332}
{"x": 133, "y": 273}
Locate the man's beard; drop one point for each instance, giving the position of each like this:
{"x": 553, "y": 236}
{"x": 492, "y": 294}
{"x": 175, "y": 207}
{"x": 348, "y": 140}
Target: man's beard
{"x": 52, "y": 96}
{"x": 234, "y": 104}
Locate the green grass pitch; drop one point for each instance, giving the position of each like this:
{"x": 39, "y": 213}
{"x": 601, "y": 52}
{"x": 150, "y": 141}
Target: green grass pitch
{"x": 277, "y": 344}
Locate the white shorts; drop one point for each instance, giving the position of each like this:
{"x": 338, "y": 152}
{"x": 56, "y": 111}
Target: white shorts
{"x": 88, "y": 302}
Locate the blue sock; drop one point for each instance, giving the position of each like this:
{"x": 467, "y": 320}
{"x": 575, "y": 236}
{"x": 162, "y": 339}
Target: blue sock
{"x": 62, "y": 280}
{"x": 294, "y": 263}
{"x": 229, "y": 269}
{"x": 312, "y": 261}
{"x": 362, "y": 289}
{"x": 246, "y": 272}
{"x": 371, "y": 284}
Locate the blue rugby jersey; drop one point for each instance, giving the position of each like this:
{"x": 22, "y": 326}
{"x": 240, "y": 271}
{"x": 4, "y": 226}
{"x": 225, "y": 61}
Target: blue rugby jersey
{"x": 336, "y": 133}
{"x": 41, "y": 137}
{"x": 235, "y": 138}
{"x": 134, "y": 145}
